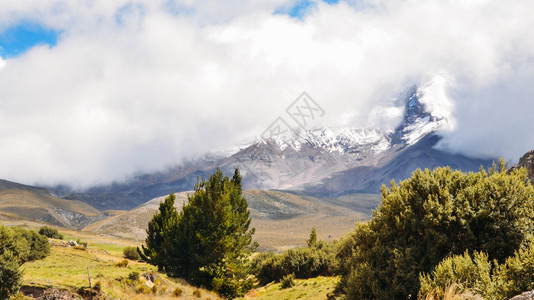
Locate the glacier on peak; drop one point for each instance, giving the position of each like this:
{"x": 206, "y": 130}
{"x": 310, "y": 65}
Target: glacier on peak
{"x": 423, "y": 115}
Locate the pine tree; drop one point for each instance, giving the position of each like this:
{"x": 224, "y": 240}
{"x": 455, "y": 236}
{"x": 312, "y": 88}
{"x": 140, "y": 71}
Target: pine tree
{"x": 209, "y": 242}
{"x": 213, "y": 237}
{"x": 161, "y": 226}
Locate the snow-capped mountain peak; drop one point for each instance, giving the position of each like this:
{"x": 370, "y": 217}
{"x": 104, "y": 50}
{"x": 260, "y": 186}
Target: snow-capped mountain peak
{"x": 417, "y": 123}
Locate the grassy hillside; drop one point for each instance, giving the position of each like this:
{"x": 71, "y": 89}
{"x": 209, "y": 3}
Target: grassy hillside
{"x": 66, "y": 270}
{"x": 282, "y": 220}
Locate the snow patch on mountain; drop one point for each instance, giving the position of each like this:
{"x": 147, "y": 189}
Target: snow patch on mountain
{"x": 419, "y": 129}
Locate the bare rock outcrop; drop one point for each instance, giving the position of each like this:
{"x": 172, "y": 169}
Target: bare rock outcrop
{"x": 527, "y": 161}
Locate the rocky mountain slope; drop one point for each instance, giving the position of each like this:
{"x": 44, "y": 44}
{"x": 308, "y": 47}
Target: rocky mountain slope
{"x": 324, "y": 162}
{"x": 527, "y": 161}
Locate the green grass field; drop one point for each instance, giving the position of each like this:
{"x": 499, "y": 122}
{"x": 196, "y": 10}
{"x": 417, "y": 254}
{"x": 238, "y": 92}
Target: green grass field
{"x": 66, "y": 268}
{"x": 309, "y": 289}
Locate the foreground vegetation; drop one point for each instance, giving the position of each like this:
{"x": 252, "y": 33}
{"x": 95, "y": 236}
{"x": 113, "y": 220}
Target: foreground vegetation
{"x": 112, "y": 277}
{"x": 438, "y": 235}
{"x": 17, "y": 247}
{"x": 431, "y": 216}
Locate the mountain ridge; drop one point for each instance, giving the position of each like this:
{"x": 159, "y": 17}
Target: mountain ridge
{"x": 310, "y": 162}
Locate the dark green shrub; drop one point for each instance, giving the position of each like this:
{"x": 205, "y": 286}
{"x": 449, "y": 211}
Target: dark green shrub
{"x": 17, "y": 246}
{"x": 131, "y": 253}
{"x": 25, "y": 245}
{"x": 431, "y": 216}
{"x": 306, "y": 262}
{"x": 39, "y": 246}
{"x": 287, "y": 281}
{"x": 177, "y": 292}
{"x": 134, "y": 276}
{"x": 10, "y": 275}
{"x": 50, "y": 232}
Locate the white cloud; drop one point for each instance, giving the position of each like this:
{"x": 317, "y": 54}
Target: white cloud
{"x": 116, "y": 98}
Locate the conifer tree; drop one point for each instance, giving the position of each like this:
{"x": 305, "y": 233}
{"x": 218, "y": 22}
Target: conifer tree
{"x": 209, "y": 241}
{"x": 161, "y": 226}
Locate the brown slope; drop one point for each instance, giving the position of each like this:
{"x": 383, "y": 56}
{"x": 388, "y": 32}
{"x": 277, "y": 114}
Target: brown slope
{"x": 38, "y": 204}
{"x": 281, "y": 219}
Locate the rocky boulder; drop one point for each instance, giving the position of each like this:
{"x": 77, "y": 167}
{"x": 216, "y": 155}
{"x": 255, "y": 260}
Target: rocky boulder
{"x": 525, "y": 295}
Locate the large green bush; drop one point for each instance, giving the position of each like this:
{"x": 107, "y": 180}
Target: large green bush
{"x": 17, "y": 246}
{"x": 25, "y": 245}
{"x": 432, "y": 215}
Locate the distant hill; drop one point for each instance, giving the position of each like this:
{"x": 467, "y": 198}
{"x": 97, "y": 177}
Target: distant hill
{"x": 18, "y": 201}
{"x": 281, "y": 219}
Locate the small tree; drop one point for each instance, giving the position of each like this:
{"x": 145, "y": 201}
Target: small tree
{"x": 313, "y": 238}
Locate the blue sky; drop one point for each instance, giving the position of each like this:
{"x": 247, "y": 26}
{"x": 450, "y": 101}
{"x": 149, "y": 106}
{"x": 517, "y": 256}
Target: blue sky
{"x": 301, "y": 8}
{"x": 19, "y": 38}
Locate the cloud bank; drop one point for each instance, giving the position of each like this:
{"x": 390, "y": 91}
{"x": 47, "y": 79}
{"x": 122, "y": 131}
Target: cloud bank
{"x": 136, "y": 86}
